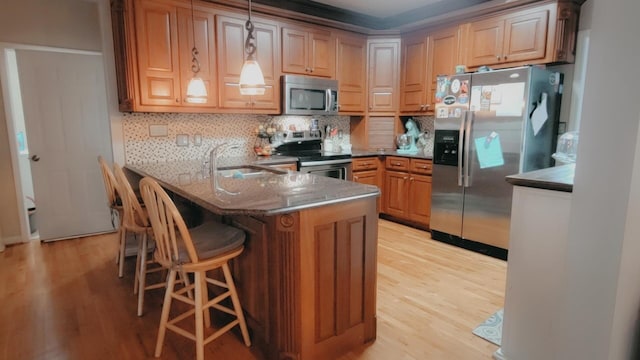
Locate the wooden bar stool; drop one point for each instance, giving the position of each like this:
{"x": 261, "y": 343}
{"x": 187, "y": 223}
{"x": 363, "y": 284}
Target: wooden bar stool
{"x": 198, "y": 250}
{"x": 136, "y": 221}
{"x": 115, "y": 203}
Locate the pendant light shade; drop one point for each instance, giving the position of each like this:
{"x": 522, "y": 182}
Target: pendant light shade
{"x": 251, "y": 77}
{"x": 196, "y": 90}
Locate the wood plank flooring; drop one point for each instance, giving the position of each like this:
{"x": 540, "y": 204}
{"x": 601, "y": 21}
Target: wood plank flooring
{"x": 63, "y": 300}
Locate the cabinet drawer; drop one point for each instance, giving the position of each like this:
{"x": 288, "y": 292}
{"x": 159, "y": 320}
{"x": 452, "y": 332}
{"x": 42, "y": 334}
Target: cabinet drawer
{"x": 419, "y": 166}
{"x": 368, "y": 163}
{"x": 397, "y": 163}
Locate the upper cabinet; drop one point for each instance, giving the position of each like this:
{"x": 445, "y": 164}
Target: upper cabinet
{"x": 351, "y": 73}
{"x": 383, "y": 75}
{"x": 424, "y": 57}
{"x": 444, "y": 47}
{"x": 536, "y": 35}
{"x": 413, "y": 80}
{"x": 308, "y": 51}
{"x": 153, "y": 55}
{"x": 231, "y": 34}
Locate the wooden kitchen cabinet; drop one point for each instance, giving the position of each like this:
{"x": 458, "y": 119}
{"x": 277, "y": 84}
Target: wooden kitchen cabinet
{"x": 444, "y": 49}
{"x": 351, "y": 73}
{"x": 539, "y": 34}
{"x": 425, "y": 56}
{"x": 413, "y": 78}
{"x": 367, "y": 170}
{"x": 407, "y": 189}
{"x": 153, "y": 42}
{"x": 383, "y": 75}
{"x": 308, "y": 51}
{"x": 231, "y": 54}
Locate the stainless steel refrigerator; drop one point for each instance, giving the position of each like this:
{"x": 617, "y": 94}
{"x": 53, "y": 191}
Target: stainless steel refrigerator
{"x": 488, "y": 125}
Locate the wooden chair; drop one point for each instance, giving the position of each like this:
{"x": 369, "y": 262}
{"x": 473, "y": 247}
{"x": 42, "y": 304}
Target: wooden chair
{"x": 136, "y": 221}
{"x": 198, "y": 250}
{"x": 115, "y": 203}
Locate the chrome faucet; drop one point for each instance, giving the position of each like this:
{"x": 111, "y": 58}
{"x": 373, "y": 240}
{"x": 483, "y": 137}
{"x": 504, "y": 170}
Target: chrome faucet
{"x": 210, "y": 158}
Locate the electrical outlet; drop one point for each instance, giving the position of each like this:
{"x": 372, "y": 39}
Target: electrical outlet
{"x": 182, "y": 140}
{"x": 197, "y": 139}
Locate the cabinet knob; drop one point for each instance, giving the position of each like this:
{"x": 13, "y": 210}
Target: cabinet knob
{"x": 426, "y": 106}
{"x": 505, "y": 57}
{"x": 355, "y": 178}
{"x": 498, "y": 57}
{"x": 405, "y": 178}
{"x": 410, "y": 179}
{"x": 311, "y": 70}
{"x": 177, "y": 100}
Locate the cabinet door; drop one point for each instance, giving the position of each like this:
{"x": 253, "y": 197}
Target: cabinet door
{"x": 204, "y": 30}
{"x": 420, "y": 198}
{"x": 525, "y": 36}
{"x": 444, "y": 49}
{"x": 322, "y": 56}
{"x": 413, "y": 87}
{"x": 295, "y": 49}
{"x": 351, "y": 59}
{"x": 396, "y": 192}
{"x": 231, "y": 35}
{"x": 384, "y": 64}
{"x": 369, "y": 177}
{"x": 157, "y": 44}
{"x": 484, "y": 46}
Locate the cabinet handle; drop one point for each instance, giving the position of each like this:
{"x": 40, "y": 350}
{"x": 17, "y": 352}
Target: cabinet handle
{"x": 396, "y": 164}
{"x": 410, "y": 179}
{"x": 425, "y": 167}
{"x": 355, "y": 178}
{"x": 405, "y": 178}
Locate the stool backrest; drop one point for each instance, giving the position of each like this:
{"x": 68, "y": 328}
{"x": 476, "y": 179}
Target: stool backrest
{"x": 134, "y": 216}
{"x": 109, "y": 182}
{"x": 168, "y": 226}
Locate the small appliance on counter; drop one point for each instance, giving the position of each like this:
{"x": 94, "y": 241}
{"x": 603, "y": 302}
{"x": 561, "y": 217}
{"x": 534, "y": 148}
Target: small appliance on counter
{"x": 567, "y": 148}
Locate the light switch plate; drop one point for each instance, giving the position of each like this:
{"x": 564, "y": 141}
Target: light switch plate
{"x": 158, "y": 130}
{"x": 197, "y": 139}
{"x": 182, "y": 140}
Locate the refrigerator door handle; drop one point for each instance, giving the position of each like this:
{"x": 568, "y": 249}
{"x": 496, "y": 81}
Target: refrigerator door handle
{"x": 460, "y": 147}
{"x": 467, "y": 145}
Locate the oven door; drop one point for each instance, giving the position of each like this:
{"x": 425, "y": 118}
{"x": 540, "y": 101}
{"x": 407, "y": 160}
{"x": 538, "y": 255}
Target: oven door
{"x": 330, "y": 168}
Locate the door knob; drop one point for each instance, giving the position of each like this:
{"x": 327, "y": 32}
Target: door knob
{"x": 35, "y": 158}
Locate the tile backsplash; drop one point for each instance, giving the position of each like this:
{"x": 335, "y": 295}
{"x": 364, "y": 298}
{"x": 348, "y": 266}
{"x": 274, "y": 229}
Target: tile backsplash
{"x": 213, "y": 129}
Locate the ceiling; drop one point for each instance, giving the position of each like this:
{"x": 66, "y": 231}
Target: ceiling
{"x": 375, "y": 14}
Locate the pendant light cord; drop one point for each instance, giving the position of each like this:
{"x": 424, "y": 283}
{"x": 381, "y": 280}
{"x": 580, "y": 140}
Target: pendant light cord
{"x": 249, "y": 46}
{"x": 195, "y": 67}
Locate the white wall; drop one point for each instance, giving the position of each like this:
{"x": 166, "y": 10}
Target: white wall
{"x": 602, "y": 287}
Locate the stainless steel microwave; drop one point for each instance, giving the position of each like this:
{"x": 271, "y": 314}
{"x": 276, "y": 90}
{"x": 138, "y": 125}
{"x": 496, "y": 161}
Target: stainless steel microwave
{"x": 304, "y": 95}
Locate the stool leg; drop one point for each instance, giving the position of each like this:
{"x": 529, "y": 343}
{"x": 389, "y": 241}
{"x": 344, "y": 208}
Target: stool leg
{"x": 199, "y": 316}
{"x": 205, "y": 299}
{"x": 136, "y": 278}
{"x": 123, "y": 236}
{"x": 143, "y": 272}
{"x": 166, "y": 307}
{"x": 236, "y": 303}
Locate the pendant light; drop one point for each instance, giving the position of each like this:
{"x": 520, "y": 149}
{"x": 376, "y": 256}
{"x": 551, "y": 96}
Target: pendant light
{"x": 196, "y": 90}
{"x": 251, "y": 78}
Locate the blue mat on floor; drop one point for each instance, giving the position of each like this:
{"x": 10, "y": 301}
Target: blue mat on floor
{"x": 491, "y": 329}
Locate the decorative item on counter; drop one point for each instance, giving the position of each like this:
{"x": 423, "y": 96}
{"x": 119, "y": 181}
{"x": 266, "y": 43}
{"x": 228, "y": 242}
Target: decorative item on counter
{"x": 264, "y": 133}
{"x": 567, "y": 148}
{"x": 460, "y": 69}
{"x": 407, "y": 141}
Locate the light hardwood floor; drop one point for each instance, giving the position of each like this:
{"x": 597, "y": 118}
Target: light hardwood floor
{"x": 64, "y": 301}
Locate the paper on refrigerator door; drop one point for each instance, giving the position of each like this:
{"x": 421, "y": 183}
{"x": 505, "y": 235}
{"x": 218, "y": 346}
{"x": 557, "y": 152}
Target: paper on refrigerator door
{"x": 511, "y": 101}
{"x": 489, "y": 150}
{"x": 539, "y": 115}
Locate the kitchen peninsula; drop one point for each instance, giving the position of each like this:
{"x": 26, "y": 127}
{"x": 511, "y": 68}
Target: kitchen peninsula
{"x": 307, "y": 276}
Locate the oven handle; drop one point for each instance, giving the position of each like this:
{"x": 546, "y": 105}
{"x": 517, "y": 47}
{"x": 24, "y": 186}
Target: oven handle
{"x": 325, "y": 162}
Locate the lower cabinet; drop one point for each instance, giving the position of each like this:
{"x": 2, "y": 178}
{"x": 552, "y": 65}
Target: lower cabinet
{"x": 366, "y": 170}
{"x": 407, "y": 189}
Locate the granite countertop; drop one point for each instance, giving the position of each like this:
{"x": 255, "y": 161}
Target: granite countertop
{"x": 373, "y": 152}
{"x": 559, "y": 178}
{"x": 270, "y": 193}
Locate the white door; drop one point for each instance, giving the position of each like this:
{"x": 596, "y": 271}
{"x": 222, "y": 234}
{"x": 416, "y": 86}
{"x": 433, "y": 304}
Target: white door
{"x": 65, "y": 110}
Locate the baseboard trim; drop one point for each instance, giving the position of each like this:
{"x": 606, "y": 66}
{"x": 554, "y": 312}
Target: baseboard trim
{"x": 10, "y": 240}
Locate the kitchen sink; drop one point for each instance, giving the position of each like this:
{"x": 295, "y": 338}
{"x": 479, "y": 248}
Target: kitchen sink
{"x": 246, "y": 172}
